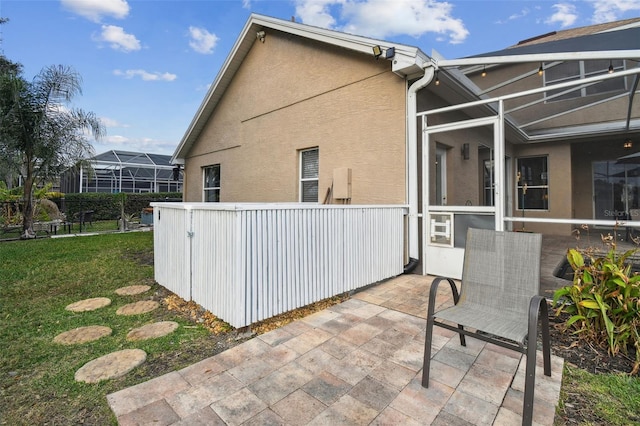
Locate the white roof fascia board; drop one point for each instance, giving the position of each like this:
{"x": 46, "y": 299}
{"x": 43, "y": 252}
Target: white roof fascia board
{"x": 540, "y": 57}
{"x": 407, "y": 61}
{"x": 357, "y": 43}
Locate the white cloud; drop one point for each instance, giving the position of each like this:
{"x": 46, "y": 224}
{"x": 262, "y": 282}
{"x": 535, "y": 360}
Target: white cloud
{"x": 145, "y": 75}
{"x": 202, "y": 41}
{"x": 611, "y": 10}
{"x": 246, "y": 4}
{"x": 565, "y": 14}
{"x": 524, "y": 12}
{"x": 316, "y": 12}
{"x": 116, "y": 140}
{"x": 142, "y": 144}
{"x": 383, "y": 18}
{"x": 94, "y": 10}
{"x": 118, "y": 39}
{"x": 110, "y": 122}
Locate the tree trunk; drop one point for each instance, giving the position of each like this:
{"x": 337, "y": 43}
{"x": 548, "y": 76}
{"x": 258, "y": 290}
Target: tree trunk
{"x": 123, "y": 223}
{"x": 27, "y": 211}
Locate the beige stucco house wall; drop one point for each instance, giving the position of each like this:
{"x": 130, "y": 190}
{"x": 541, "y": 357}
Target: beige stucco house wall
{"x": 291, "y": 94}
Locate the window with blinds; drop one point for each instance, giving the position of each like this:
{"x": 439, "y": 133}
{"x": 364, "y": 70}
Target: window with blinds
{"x": 211, "y": 185}
{"x": 309, "y": 166}
{"x": 575, "y": 70}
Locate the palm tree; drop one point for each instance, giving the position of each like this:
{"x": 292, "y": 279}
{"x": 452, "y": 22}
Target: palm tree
{"x": 37, "y": 126}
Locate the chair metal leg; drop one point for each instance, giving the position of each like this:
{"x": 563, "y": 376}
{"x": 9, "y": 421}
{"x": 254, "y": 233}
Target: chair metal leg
{"x": 433, "y": 292}
{"x": 529, "y": 384}
{"x": 456, "y": 298}
{"x": 546, "y": 343}
{"x": 426, "y": 363}
{"x": 537, "y": 310}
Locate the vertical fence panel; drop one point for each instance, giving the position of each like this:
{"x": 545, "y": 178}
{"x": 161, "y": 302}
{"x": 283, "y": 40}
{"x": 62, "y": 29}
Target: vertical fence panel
{"x": 249, "y": 262}
{"x": 172, "y": 250}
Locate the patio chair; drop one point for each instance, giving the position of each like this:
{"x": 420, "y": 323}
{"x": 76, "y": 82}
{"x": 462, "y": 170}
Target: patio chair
{"x": 81, "y": 218}
{"x": 498, "y": 301}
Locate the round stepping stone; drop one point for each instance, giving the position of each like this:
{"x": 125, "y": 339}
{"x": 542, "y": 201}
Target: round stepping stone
{"x": 138, "y": 307}
{"x": 89, "y": 304}
{"x": 152, "y": 331}
{"x": 132, "y": 290}
{"x": 82, "y": 335}
{"x": 110, "y": 366}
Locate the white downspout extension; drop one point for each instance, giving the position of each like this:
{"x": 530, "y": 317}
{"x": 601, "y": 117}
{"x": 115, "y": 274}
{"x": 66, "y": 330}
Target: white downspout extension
{"x": 412, "y": 159}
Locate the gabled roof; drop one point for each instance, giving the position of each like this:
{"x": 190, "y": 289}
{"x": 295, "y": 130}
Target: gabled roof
{"x": 623, "y": 39}
{"x": 581, "y": 31}
{"x": 408, "y": 61}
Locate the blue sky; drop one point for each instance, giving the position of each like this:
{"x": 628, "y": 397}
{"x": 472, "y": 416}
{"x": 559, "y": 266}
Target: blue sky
{"x": 146, "y": 64}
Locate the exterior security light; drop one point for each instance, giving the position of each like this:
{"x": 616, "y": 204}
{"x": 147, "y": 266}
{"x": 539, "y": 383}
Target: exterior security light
{"x": 377, "y": 51}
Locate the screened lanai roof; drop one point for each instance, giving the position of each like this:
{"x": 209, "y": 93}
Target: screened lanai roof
{"x": 128, "y": 171}
{"x": 121, "y": 159}
{"x": 614, "y": 45}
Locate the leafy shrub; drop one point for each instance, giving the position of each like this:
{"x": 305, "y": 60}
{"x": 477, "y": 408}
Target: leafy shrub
{"x": 106, "y": 206}
{"x": 603, "y": 302}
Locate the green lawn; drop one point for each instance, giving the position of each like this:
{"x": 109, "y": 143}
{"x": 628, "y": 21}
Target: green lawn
{"x": 599, "y": 399}
{"x": 37, "y": 280}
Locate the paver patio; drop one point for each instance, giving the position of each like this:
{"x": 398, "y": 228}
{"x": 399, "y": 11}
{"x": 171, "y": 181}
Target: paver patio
{"x": 355, "y": 363}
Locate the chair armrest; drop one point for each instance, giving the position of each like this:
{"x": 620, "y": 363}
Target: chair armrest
{"x": 434, "y": 290}
{"x": 538, "y": 310}
{"x": 433, "y": 293}
{"x": 536, "y": 305}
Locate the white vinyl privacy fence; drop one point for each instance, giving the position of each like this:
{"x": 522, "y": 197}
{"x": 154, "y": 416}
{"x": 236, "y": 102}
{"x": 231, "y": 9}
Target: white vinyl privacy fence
{"x": 249, "y": 262}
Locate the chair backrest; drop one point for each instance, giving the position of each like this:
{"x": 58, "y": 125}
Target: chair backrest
{"x": 501, "y": 269}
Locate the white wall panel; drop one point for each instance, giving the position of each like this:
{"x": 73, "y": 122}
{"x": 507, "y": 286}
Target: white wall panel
{"x": 249, "y": 262}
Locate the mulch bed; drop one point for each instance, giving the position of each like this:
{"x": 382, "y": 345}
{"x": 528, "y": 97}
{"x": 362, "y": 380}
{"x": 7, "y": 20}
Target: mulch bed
{"x": 582, "y": 354}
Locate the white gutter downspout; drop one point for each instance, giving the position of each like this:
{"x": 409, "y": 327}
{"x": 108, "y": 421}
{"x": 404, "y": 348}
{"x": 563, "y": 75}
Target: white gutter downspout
{"x": 412, "y": 159}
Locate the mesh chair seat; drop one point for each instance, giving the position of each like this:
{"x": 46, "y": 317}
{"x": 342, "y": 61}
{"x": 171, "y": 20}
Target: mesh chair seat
{"x": 505, "y": 324}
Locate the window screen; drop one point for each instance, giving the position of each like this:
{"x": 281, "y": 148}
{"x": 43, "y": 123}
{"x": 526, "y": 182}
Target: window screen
{"x": 309, "y": 165}
{"x": 211, "y": 183}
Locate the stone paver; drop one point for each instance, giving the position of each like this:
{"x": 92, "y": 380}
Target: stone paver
{"x": 356, "y": 363}
{"x": 88, "y": 304}
{"x": 82, "y": 335}
{"x": 110, "y": 366}
{"x": 132, "y": 290}
{"x": 152, "y": 331}
{"x": 138, "y": 308}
